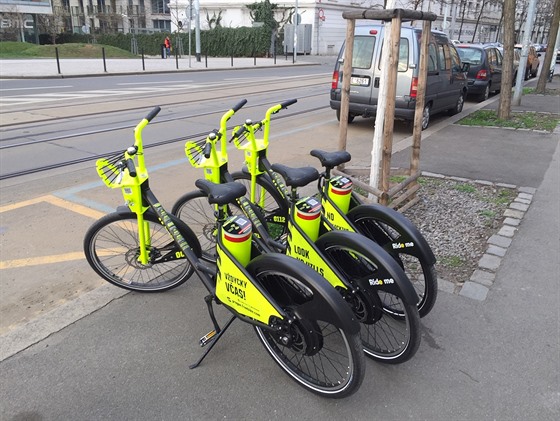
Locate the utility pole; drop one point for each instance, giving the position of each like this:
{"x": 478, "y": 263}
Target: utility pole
{"x": 524, "y": 53}
{"x": 197, "y": 29}
{"x": 295, "y": 32}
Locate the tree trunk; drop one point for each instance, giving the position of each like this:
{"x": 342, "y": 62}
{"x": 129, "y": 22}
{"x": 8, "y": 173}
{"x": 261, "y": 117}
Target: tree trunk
{"x": 504, "y": 106}
{"x": 550, "y": 52}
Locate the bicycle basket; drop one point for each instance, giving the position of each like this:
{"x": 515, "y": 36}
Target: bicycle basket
{"x": 110, "y": 170}
{"x": 194, "y": 152}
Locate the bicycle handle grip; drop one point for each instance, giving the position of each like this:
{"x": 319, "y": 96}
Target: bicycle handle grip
{"x": 131, "y": 167}
{"x": 207, "y": 150}
{"x": 240, "y": 104}
{"x": 287, "y": 103}
{"x": 239, "y": 132}
{"x": 153, "y": 113}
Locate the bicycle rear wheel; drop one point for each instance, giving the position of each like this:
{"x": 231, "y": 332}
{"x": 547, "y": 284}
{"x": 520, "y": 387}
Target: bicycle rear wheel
{"x": 112, "y": 248}
{"x": 420, "y": 271}
{"x": 323, "y": 358}
{"x": 390, "y": 327}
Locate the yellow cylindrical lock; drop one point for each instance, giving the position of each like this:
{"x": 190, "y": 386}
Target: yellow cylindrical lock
{"x": 236, "y": 237}
{"x": 308, "y": 216}
{"x": 340, "y": 191}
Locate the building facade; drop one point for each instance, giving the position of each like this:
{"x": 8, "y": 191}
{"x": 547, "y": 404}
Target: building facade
{"x": 465, "y": 20}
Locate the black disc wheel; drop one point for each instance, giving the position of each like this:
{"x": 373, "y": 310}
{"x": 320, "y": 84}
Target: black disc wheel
{"x": 390, "y": 328}
{"x": 112, "y": 249}
{"x": 319, "y": 356}
{"x": 421, "y": 273}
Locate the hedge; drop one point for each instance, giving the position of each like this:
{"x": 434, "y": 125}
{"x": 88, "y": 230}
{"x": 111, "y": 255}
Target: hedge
{"x": 217, "y": 42}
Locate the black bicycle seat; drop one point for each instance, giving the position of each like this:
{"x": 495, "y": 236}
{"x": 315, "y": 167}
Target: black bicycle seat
{"x": 221, "y": 194}
{"x": 296, "y": 177}
{"x": 331, "y": 159}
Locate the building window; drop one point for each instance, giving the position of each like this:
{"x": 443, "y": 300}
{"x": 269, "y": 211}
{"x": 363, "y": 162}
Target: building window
{"x": 164, "y": 25}
{"x": 160, "y": 6}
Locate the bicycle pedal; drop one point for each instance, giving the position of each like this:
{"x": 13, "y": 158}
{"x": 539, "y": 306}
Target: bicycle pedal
{"x": 207, "y": 338}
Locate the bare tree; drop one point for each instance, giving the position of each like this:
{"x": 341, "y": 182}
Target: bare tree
{"x": 53, "y": 24}
{"x": 550, "y": 52}
{"x": 504, "y": 107}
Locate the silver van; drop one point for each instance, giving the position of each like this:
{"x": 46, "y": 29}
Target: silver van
{"x": 447, "y": 81}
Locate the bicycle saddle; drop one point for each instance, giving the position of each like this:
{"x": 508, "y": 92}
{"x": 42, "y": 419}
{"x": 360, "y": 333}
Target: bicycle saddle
{"x": 331, "y": 159}
{"x": 221, "y": 194}
{"x": 296, "y": 177}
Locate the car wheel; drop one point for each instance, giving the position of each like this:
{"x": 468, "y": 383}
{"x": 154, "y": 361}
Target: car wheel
{"x": 484, "y": 96}
{"x": 458, "y": 105}
{"x": 426, "y": 117}
{"x": 350, "y": 116}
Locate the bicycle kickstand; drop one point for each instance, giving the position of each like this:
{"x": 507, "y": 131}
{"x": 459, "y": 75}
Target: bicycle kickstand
{"x": 214, "y": 335}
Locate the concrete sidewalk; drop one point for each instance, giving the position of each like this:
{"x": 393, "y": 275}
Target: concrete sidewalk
{"x": 67, "y": 67}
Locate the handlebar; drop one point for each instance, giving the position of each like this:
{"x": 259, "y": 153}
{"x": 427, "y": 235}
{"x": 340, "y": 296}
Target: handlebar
{"x": 153, "y": 113}
{"x": 131, "y": 167}
{"x": 287, "y": 103}
{"x": 239, "y": 105}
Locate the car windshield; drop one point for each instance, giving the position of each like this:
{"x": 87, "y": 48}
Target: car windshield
{"x": 470, "y": 55}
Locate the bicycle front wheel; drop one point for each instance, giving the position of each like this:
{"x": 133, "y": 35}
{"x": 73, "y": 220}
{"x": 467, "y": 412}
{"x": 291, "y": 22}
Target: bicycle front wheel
{"x": 269, "y": 201}
{"x": 390, "y": 327}
{"x": 325, "y": 359}
{"x": 193, "y": 209}
{"x": 112, "y": 249}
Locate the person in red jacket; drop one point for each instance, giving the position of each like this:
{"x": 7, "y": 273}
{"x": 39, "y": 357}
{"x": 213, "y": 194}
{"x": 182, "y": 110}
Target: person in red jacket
{"x": 167, "y": 43}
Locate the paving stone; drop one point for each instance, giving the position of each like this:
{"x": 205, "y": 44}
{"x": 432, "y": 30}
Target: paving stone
{"x": 446, "y": 286}
{"x": 514, "y": 222}
{"x": 474, "y": 291}
{"x": 461, "y": 179}
{"x": 507, "y": 186}
{"x": 484, "y": 182}
{"x": 525, "y": 196}
{"x": 519, "y": 206}
{"x": 490, "y": 262}
{"x": 433, "y": 175}
{"x": 512, "y": 213}
{"x": 496, "y": 250}
{"x": 483, "y": 277}
{"x": 525, "y": 201}
{"x": 507, "y": 231}
{"x": 498, "y": 240}
{"x": 529, "y": 190}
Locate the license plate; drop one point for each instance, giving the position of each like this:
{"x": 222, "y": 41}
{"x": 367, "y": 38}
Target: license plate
{"x": 359, "y": 81}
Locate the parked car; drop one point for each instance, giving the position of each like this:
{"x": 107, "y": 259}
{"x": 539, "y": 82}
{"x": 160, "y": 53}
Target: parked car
{"x": 446, "y": 86}
{"x": 516, "y": 60}
{"x": 533, "y": 61}
{"x": 485, "y": 68}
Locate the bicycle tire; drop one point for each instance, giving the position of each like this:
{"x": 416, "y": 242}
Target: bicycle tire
{"x": 275, "y": 210}
{"x": 193, "y": 209}
{"x": 390, "y": 323}
{"x": 419, "y": 268}
{"x": 111, "y": 248}
{"x": 321, "y": 357}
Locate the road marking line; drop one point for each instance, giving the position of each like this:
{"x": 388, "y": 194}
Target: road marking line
{"x": 35, "y": 261}
{"x": 56, "y": 201}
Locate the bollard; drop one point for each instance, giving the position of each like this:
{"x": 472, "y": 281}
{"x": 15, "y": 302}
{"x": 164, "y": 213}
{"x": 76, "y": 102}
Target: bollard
{"x": 57, "y": 59}
{"x": 206, "y": 60}
{"x": 143, "y": 64}
{"x": 176, "y": 60}
{"x": 232, "y": 59}
{"x": 104, "y": 63}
